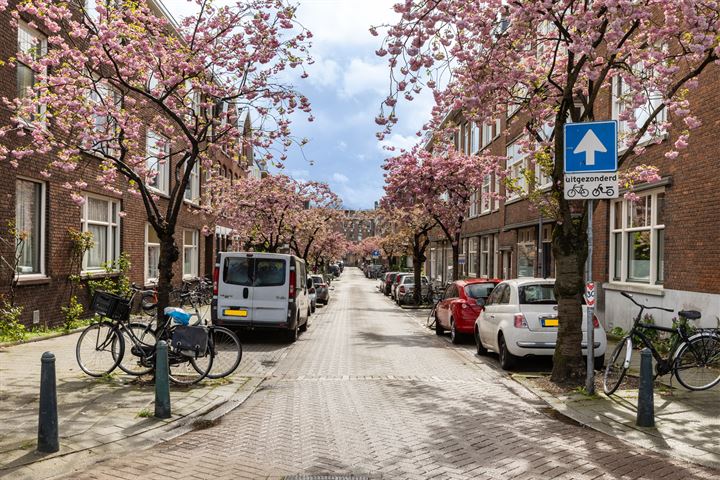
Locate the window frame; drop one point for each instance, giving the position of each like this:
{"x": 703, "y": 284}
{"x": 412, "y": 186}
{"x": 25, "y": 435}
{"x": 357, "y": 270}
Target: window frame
{"x": 194, "y": 252}
{"x": 618, "y": 106}
{"x": 163, "y": 168}
{"x": 516, "y": 165}
{"x": 112, "y": 239}
{"x": 624, "y": 231}
{"x": 148, "y": 279}
{"x": 42, "y": 41}
{"x": 193, "y": 186}
{"x": 42, "y": 272}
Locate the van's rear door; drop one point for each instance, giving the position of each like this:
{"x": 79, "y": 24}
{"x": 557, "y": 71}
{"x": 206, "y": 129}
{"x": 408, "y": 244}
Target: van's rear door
{"x": 235, "y": 292}
{"x": 271, "y": 288}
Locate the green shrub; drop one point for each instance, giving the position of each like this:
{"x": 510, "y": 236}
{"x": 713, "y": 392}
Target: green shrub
{"x": 10, "y": 327}
{"x": 72, "y": 314}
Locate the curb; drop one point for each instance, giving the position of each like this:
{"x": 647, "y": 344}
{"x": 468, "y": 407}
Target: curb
{"x": 41, "y": 338}
{"x": 646, "y": 438}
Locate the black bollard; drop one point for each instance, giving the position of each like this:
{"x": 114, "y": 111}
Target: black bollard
{"x": 646, "y": 405}
{"x": 162, "y": 381}
{"x": 48, "y": 419}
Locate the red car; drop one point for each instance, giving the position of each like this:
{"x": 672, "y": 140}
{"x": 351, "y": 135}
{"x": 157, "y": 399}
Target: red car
{"x": 462, "y": 302}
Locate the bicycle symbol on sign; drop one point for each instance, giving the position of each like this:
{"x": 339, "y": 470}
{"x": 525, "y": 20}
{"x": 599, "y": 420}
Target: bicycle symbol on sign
{"x": 606, "y": 191}
{"x": 578, "y": 189}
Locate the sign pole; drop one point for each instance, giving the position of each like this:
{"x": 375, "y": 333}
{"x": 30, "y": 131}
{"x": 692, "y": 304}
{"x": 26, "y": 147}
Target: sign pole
{"x": 590, "y": 300}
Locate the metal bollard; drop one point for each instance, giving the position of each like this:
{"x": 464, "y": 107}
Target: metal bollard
{"x": 48, "y": 419}
{"x": 162, "y": 381}
{"x": 646, "y": 405}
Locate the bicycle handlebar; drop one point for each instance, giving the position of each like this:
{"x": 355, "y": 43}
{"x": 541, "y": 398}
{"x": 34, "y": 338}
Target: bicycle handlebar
{"x": 646, "y": 307}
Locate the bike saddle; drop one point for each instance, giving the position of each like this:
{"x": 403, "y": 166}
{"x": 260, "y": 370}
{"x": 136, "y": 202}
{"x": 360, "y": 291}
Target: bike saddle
{"x": 689, "y": 314}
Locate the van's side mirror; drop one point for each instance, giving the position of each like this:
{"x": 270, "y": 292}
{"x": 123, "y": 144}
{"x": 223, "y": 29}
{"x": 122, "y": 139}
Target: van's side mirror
{"x": 309, "y": 283}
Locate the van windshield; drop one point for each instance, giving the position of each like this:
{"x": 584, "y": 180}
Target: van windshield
{"x": 269, "y": 272}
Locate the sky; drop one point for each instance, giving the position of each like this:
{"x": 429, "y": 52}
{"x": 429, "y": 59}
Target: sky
{"x": 346, "y": 86}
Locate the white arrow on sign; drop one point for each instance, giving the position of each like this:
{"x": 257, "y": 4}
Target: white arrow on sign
{"x": 590, "y": 144}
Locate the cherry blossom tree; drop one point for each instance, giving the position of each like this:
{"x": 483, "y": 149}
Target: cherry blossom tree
{"x": 556, "y": 62}
{"x": 443, "y": 181}
{"x": 141, "y": 100}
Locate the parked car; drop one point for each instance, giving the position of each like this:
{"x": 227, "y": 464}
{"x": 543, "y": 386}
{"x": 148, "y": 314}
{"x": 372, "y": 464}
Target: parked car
{"x": 396, "y": 281}
{"x": 462, "y": 301}
{"x": 406, "y": 289}
{"x": 261, "y": 290}
{"x": 312, "y": 293}
{"x": 322, "y": 289}
{"x": 334, "y": 270}
{"x": 520, "y": 319}
{"x": 387, "y": 281}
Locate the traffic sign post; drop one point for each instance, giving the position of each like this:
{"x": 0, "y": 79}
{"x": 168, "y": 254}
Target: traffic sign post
{"x": 590, "y": 296}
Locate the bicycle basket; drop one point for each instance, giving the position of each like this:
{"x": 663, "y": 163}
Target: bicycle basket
{"x": 111, "y": 306}
{"x": 190, "y": 341}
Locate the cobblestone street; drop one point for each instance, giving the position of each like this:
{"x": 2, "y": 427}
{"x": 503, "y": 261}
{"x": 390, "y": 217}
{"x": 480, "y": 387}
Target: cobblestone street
{"x": 368, "y": 391}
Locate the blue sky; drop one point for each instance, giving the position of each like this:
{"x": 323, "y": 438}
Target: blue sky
{"x": 346, "y": 86}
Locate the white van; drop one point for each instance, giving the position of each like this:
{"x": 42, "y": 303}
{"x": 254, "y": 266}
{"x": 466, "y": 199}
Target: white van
{"x": 261, "y": 290}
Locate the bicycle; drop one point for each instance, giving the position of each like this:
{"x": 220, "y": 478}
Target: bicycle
{"x": 101, "y": 347}
{"x": 578, "y": 189}
{"x": 436, "y": 298}
{"x": 693, "y": 359}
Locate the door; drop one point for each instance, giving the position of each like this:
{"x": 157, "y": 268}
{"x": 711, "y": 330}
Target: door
{"x": 491, "y": 315}
{"x": 270, "y": 290}
{"x": 303, "y": 295}
{"x": 506, "y": 264}
{"x": 235, "y": 292}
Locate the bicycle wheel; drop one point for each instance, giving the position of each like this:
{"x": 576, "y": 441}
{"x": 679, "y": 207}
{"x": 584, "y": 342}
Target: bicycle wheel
{"x": 430, "y": 322}
{"x": 617, "y": 366}
{"x": 697, "y": 364}
{"x": 99, "y": 349}
{"x": 186, "y": 370}
{"x": 227, "y": 352}
{"x": 139, "y": 358}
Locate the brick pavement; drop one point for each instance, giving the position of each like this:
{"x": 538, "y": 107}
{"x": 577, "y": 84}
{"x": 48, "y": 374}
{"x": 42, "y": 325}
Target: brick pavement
{"x": 367, "y": 391}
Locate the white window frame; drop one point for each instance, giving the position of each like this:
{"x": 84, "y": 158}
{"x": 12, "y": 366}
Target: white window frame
{"x": 487, "y": 134}
{"x": 148, "y": 279}
{"x": 102, "y": 95}
{"x": 193, "y": 250}
{"x": 516, "y": 164}
{"x": 41, "y": 273}
{"x": 487, "y": 200}
{"x": 112, "y": 226}
{"x": 496, "y": 256}
{"x": 37, "y": 40}
{"x": 619, "y": 92}
{"x": 527, "y": 243}
{"x": 624, "y": 230}
{"x": 473, "y": 209}
{"x": 486, "y": 251}
{"x": 472, "y": 260}
{"x": 192, "y": 190}
{"x": 154, "y": 163}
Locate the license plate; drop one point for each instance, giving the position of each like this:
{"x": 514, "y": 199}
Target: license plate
{"x": 236, "y": 313}
{"x": 550, "y": 322}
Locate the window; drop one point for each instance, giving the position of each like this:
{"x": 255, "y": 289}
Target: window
{"x": 472, "y": 256}
{"x": 486, "y": 256}
{"x": 158, "y": 157}
{"x": 269, "y": 272}
{"x": 474, "y": 205}
{"x": 526, "y": 253}
{"x": 33, "y": 44}
{"x": 152, "y": 254}
{"x": 486, "y": 194}
{"x": 620, "y": 97}
{"x": 190, "y": 253}
{"x": 638, "y": 239}
{"x": 105, "y": 125}
{"x": 517, "y": 97}
{"x": 101, "y": 217}
{"x": 487, "y": 134}
{"x": 30, "y": 226}
{"x": 472, "y": 132}
{"x": 192, "y": 190}
{"x": 516, "y": 165}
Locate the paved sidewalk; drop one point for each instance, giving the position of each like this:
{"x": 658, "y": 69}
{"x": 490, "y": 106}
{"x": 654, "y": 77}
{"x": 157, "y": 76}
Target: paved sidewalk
{"x": 101, "y": 417}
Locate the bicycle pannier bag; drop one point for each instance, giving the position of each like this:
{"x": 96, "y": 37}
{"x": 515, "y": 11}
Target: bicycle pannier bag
{"x": 190, "y": 341}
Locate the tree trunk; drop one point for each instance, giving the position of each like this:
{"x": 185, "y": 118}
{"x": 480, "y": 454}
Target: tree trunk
{"x": 418, "y": 260}
{"x": 456, "y": 257}
{"x": 169, "y": 254}
{"x": 570, "y": 250}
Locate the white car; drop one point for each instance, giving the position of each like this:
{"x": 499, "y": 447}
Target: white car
{"x": 520, "y": 319}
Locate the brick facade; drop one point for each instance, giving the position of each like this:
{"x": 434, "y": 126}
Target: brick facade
{"x": 691, "y": 251}
{"x": 45, "y": 294}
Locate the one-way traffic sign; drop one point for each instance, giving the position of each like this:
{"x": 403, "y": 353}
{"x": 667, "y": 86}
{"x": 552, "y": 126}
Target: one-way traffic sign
{"x": 591, "y": 147}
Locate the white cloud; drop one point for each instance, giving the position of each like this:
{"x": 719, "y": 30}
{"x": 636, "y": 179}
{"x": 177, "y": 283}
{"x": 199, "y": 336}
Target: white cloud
{"x": 342, "y": 146}
{"x": 360, "y": 197}
{"x": 361, "y": 76}
{"x": 398, "y": 142}
{"x": 340, "y": 178}
{"x": 300, "y": 174}
{"x": 323, "y": 73}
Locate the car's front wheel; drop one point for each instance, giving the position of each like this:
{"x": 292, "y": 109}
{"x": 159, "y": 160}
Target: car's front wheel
{"x": 439, "y": 330}
{"x": 454, "y": 335}
{"x": 507, "y": 359}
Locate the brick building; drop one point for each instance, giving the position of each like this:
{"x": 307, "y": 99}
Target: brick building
{"x": 40, "y": 206}
{"x": 357, "y": 225}
{"x": 663, "y": 248}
